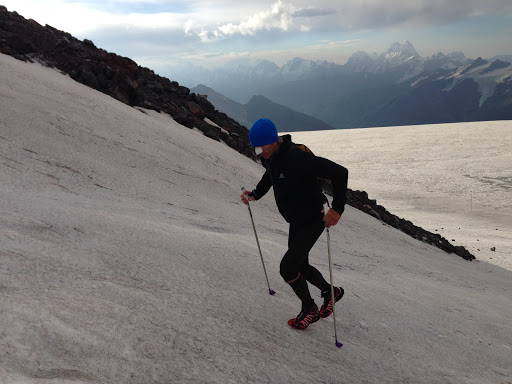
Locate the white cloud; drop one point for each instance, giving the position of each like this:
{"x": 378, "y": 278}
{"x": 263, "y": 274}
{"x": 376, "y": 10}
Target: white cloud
{"x": 333, "y": 15}
{"x": 79, "y": 17}
{"x": 210, "y": 19}
{"x": 153, "y": 28}
{"x": 187, "y": 27}
{"x": 277, "y": 17}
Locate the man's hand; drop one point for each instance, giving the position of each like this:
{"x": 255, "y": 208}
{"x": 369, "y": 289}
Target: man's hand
{"x": 331, "y": 218}
{"x": 245, "y": 197}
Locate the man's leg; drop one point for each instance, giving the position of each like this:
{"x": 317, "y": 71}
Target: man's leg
{"x": 300, "y": 287}
{"x": 294, "y": 266}
{"x": 314, "y": 276}
{"x": 311, "y": 274}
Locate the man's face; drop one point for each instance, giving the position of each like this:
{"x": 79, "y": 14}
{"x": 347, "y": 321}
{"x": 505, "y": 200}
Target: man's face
{"x": 268, "y": 150}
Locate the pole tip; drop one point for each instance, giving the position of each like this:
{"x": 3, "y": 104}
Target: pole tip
{"x": 271, "y": 292}
{"x": 338, "y": 344}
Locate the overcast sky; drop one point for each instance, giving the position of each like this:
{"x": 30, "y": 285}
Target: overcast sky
{"x": 160, "y": 33}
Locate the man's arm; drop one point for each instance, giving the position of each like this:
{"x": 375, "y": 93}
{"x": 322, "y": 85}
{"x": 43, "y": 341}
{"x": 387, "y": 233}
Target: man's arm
{"x": 261, "y": 189}
{"x": 327, "y": 169}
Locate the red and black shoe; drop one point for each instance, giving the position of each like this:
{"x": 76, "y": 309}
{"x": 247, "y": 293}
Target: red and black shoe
{"x": 327, "y": 307}
{"x": 308, "y": 315}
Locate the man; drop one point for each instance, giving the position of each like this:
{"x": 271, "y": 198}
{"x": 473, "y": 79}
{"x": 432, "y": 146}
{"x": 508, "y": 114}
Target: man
{"x": 294, "y": 174}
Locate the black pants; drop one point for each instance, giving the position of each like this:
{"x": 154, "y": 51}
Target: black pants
{"x": 301, "y": 239}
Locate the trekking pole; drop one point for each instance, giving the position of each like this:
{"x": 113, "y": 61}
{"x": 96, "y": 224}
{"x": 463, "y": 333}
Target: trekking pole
{"x": 338, "y": 344}
{"x": 270, "y": 291}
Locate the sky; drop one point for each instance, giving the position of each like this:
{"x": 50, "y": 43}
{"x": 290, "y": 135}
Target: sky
{"x": 162, "y": 34}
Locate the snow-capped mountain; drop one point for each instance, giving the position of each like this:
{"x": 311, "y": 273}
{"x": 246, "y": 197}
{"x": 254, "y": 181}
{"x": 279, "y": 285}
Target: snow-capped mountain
{"x": 240, "y": 80}
{"x": 263, "y": 69}
{"x": 442, "y": 61}
{"x": 404, "y": 60}
{"x": 395, "y": 87}
{"x": 399, "y": 57}
{"x": 299, "y": 68}
{"x": 361, "y": 61}
{"x": 488, "y": 75}
{"x": 479, "y": 91}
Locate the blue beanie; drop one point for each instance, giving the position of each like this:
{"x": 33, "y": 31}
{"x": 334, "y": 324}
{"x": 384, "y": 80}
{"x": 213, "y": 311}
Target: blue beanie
{"x": 263, "y": 132}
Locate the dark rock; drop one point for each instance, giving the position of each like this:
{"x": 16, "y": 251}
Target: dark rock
{"x": 89, "y": 43}
{"x": 360, "y": 200}
{"x": 195, "y": 109}
{"x": 116, "y": 76}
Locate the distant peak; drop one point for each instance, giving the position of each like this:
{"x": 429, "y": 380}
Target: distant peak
{"x": 406, "y": 46}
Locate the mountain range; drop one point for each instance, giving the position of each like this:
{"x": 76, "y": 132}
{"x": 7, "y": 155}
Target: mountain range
{"x": 287, "y": 119}
{"x": 397, "y": 87}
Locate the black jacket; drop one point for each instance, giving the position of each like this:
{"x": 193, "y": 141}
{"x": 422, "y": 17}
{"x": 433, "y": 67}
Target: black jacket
{"x": 294, "y": 175}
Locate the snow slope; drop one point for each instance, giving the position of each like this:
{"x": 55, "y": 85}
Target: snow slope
{"x": 126, "y": 257}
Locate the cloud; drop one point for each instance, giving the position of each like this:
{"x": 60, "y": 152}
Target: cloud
{"x": 277, "y": 17}
{"x": 313, "y": 12}
{"x": 280, "y": 16}
{"x": 210, "y": 20}
{"x": 377, "y": 14}
{"x": 348, "y": 16}
{"x": 81, "y": 17}
{"x": 174, "y": 29}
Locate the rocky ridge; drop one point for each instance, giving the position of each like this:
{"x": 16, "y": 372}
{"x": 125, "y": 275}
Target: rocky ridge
{"x": 360, "y": 200}
{"x": 123, "y": 79}
{"x": 117, "y": 76}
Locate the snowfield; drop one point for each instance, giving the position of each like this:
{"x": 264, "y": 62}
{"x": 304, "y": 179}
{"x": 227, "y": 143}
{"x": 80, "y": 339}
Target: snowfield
{"x": 451, "y": 179}
{"x": 127, "y": 257}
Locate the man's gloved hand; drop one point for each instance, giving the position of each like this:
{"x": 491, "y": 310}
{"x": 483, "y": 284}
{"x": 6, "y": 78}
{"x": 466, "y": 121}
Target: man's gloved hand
{"x": 331, "y": 218}
{"x": 246, "y": 196}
